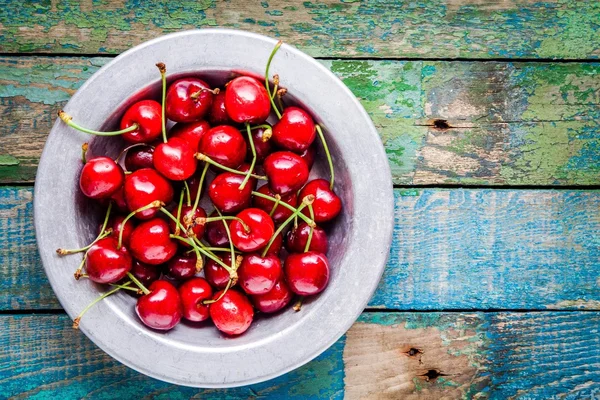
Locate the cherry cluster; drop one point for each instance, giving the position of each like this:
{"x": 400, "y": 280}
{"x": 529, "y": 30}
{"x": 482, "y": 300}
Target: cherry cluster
{"x": 258, "y": 249}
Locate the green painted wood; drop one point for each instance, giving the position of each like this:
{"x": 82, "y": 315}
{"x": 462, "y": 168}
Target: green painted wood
{"x": 452, "y": 249}
{"x": 454, "y": 355}
{"x": 508, "y": 123}
{"x": 563, "y": 29}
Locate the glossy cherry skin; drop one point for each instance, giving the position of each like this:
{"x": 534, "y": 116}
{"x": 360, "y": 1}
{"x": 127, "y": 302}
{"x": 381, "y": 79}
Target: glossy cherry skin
{"x": 191, "y": 132}
{"x": 106, "y": 264}
{"x": 224, "y": 191}
{"x": 193, "y": 293}
{"x": 275, "y": 299}
{"x": 281, "y": 213}
{"x": 275, "y": 247}
{"x": 147, "y": 114}
{"x": 181, "y": 106}
{"x": 145, "y": 273}
{"x": 225, "y": 145}
{"x": 327, "y": 204}
{"x": 287, "y": 172}
{"x": 260, "y": 226}
{"x": 297, "y": 237}
{"x": 175, "y": 159}
{"x": 246, "y": 100}
{"x": 150, "y": 242}
{"x": 143, "y": 187}
{"x": 118, "y": 200}
{"x": 160, "y": 309}
{"x": 100, "y": 178}
{"x": 262, "y": 148}
{"x": 295, "y": 131}
{"x": 116, "y": 223}
{"x": 308, "y": 156}
{"x": 188, "y": 220}
{"x": 215, "y": 232}
{"x": 307, "y": 273}
{"x": 232, "y": 314}
{"x": 139, "y": 157}
{"x": 215, "y": 274}
{"x": 257, "y": 274}
{"x": 182, "y": 267}
{"x": 218, "y": 113}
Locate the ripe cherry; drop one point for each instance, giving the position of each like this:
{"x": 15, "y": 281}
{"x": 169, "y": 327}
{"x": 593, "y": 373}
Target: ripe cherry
{"x": 193, "y": 292}
{"x": 275, "y": 247}
{"x": 139, "y": 157}
{"x": 247, "y": 101}
{"x": 295, "y": 131}
{"x": 191, "y": 132}
{"x": 188, "y": 99}
{"x": 215, "y": 274}
{"x": 106, "y": 264}
{"x": 150, "y": 242}
{"x": 275, "y": 299}
{"x": 262, "y": 144}
{"x": 258, "y": 275}
{"x": 147, "y": 114}
{"x": 189, "y": 221}
{"x": 233, "y": 313}
{"x": 100, "y": 178}
{"x": 215, "y": 232}
{"x": 218, "y": 113}
{"x": 175, "y": 159}
{"x": 182, "y": 267}
{"x": 260, "y": 230}
{"x": 118, "y": 199}
{"x": 308, "y": 156}
{"x": 281, "y": 213}
{"x": 143, "y": 187}
{"x": 297, "y": 238}
{"x": 225, "y": 145}
{"x": 145, "y": 273}
{"x": 116, "y": 223}
{"x": 327, "y": 204}
{"x": 160, "y": 309}
{"x": 307, "y": 273}
{"x": 226, "y": 195}
{"x": 287, "y": 172}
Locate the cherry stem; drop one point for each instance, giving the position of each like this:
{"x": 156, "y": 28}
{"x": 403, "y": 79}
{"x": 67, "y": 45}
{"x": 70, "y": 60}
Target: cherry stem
{"x": 329, "y": 160}
{"x": 223, "y": 249}
{"x": 225, "y": 218}
{"x": 205, "y": 302}
{"x": 267, "y": 84}
{"x": 204, "y": 157}
{"x": 84, "y": 149}
{"x": 64, "y": 252}
{"x": 229, "y": 237}
{"x": 274, "y": 92}
{"x": 284, "y": 204}
{"x": 298, "y": 304}
{"x": 127, "y": 287}
{"x": 67, "y": 119}
{"x": 312, "y": 228}
{"x": 77, "y": 320}
{"x": 194, "y": 247}
{"x": 253, "y": 163}
{"x": 187, "y": 190}
{"x": 163, "y": 76}
{"x": 177, "y": 230}
{"x": 305, "y": 202}
{"x": 278, "y": 200}
{"x": 78, "y": 273}
{"x": 194, "y": 96}
{"x": 154, "y": 204}
{"x": 138, "y": 283}
{"x": 255, "y": 127}
{"x": 126, "y": 149}
{"x": 197, "y": 200}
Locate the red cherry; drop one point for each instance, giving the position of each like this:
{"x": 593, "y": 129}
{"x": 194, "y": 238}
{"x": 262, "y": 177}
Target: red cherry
{"x": 218, "y": 113}
{"x": 215, "y": 274}
{"x": 175, "y": 159}
{"x": 308, "y": 156}
{"x": 275, "y": 247}
{"x": 260, "y": 229}
{"x": 188, "y": 220}
{"x": 246, "y": 100}
{"x": 191, "y": 133}
{"x": 182, "y": 267}
{"x": 263, "y": 148}
{"x": 275, "y": 299}
{"x": 232, "y": 314}
{"x": 160, "y": 309}
{"x": 258, "y": 275}
{"x": 118, "y": 199}
{"x": 297, "y": 238}
{"x": 287, "y": 172}
{"x": 188, "y": 99}
{"x": 327, "y": 204}
{"x": 143, "y": 187}
{"x": 281, "y": 213}
{"x": 145, "y": 273}
{"x": 192, "y": 293}
{"x": 295, "y": 131}
{"x": 139, "y": 157}
{"x": 215, "y": 232}
{"x": 307, "y": 273}
{"x": 100, "y": 178}
{"x": 116, "y": 223}
{"x": 225, "y": 145}
{"x": 150, "y": 242}
{"x": 147, "y": 114}
{"x": 225, "y": 193}
{"x": 106, "y": 264}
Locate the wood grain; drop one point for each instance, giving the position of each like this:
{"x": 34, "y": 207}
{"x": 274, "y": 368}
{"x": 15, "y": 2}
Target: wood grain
{"x": 461, "y": 123}
{"x": 384, "y": 355}
{"x": 422, "y": 29}
{"x": 452, "y": 249}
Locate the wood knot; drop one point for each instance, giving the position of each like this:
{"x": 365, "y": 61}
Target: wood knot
{"x": 413, "y": 352}
{"x": 441, "y": 124}
{"x": 431, "y": 375}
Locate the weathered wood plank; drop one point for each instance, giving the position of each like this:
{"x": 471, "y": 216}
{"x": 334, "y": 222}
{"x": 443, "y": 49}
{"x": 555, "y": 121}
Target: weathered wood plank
{"x": 422, "y": 29}
{"x": 384, "y": 355}
{"x": 452, "y": 249}
{"x": 509, "y": 123}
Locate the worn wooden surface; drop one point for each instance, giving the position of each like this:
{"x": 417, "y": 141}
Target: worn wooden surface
{"x": 509, "y": 123}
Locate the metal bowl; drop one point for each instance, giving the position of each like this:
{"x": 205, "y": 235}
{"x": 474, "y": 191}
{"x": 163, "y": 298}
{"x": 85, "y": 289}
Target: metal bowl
{"x": 359, "y": 239}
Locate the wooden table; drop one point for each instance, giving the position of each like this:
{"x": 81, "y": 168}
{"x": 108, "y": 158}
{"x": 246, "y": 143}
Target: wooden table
{"x": 489, "y": 113}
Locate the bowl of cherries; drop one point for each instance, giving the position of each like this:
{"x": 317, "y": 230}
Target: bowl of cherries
{"x": 213, "y": 208}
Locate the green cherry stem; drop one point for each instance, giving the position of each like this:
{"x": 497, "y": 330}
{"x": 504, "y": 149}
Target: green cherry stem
{"x": 63, "y": 252}
{"x": 298, "y": 304}
{"x": 267, "y": 84}
{"x": 278, "y": 200}
{"x": 163, "y": 77}
{"x": 329, "y": 160}
{"x": 187, "y": 191}
{"x": 284, "y": 204}
{"x": 154, "y": 204}
{"x": 78, "y": 273}
{"x": 204, "y": 157}
{"x": 205, "y": 302}
{"x": 77, "y": 320}
{"x": 137, "y": 290}
{"x": 197, "y": 199}
{"x": 253, "y": 163}
{"x": 84, "y": 149}
{"x": 305, "y": 202}
{"x": 138, "y": 283}
{"x": 179, "y": 212}
{"x": 312, "y": 228}
{"x": 67, "y": 119}
{"x": 194, "y": 247}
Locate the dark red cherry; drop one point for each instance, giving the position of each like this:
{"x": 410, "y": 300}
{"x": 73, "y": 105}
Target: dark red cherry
{"x": 188, "y": 100}
{"x": 139, "y": 157}
{"x": 295, "y": 131}
{"x": 193, "y": 184}
{"x": 246, "y": 100}
{"x": 150, "y": 242}
{"x": 327, "y": 204}
{"x": 189, "y": 220}
{"x": 215, "y": 274}
{"x": 275, "y": 247}
{"x": 193, "y": 293}
{"x": 160, "y": 309}
{"x": 175, "y": 159}
{"x": 260, "y": 229}
{"x": 226, "y": 195}
{"x": 308, "y": 156}
{"x": 258, "y": 275}
{"x": 307, "y": 273}
{"x": 297, "y": 238}
{"x": 118, "y": 199}
{"x": 147, "y": 114}
{"x": 100, "y": 178}
{"x": 182, "y": 267}
{"x": 275, "y": 299}
{"x": 281, "y": 213}
{"x": 262, "y": 147}
{"x": 225, "y": 145}
{"x": 145, "y": 273}
{"x": 105, "y": 264}
{"x": 215, "y": 232}
{"x": 287, "y": 172}
{"x": 218, "y": 113}
{"x": 191, "y": 132}
{"x": 233, "y": 313}
{"x": 143, "y": 187}
{"x": 116, "y": 223}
